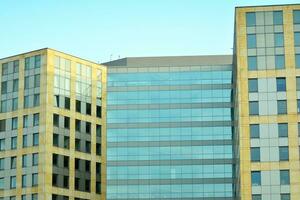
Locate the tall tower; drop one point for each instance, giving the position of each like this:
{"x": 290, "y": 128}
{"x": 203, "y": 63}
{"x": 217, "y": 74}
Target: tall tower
{"x": 52, "y": 127}
{"x": 267, "y": 101}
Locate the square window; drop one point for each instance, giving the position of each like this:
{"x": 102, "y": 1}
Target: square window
{"x": 253, "y": 108}
{"x": 252, "y": 63}
{"x": 281, "y": 107}
{"x": 280, "y": 84}
{"x": 256, "y": 178}
{"x": 251, "y": 41}
{"x": 282, "y": 130}
{"x": 278, "y": 40}
{"x": 279, "y": 61}
{"x": 277, "y": 18}
{"x": 296, "y": 16}
{"x": 297, "y": 38}
{"x": 250, "y": 19}
{"x": 255, "y": 154}
{"x": 283, "y": 153}
{"x": 253, "y": 85}
{"x": 284, "y": 177}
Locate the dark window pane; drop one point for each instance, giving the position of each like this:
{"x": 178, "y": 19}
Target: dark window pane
{"x": 296, "y": 16}
{"x": 251, "y": 41}
{"x": 278, "y": 40}
{"x": 252, "y": 62}
{"x": 279, "y": 61}
{"x": 256, "y": 178}
{"x": 281, "y": 84}
{"x": 250, "y": 19}
{"x": 253, "y": 108}
{"x": 284, "y": 177}
{"x": 254, "y": 130}
{"x": 297, "y": 38}
{"x": 281, "y": 107}
{"x": 277, "y": 18}
{"x": 297, "y": 60}
{"x": 283, "y": 153}
{"x": 253, "y": 85}
{"x": 282, "y": 130}
{"x": 255, "y": 154}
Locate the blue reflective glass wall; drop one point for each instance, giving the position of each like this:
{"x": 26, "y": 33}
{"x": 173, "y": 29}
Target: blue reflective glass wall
{"x": 169, "y": 133}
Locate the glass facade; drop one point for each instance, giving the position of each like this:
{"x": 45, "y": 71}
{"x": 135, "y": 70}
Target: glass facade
{"x": 169, "y": 133}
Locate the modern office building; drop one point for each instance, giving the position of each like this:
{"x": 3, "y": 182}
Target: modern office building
{"x": 216, "y": 127}
{"x": 52, "y": 127}
{"x": 169, "y": 128}
{"x": 267, "y": 102}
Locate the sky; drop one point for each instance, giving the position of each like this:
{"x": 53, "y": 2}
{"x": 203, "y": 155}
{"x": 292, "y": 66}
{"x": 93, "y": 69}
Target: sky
{"x": 104, "y": 30}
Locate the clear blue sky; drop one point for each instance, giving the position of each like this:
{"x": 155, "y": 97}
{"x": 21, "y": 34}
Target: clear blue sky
{"x": 101, "y": 30}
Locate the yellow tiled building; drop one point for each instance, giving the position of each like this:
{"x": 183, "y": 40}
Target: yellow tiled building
{"x": 267, "y": 102}
{"x": 52, "y": 134}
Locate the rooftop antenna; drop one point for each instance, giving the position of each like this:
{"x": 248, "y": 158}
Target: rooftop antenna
{"x": 111, "y": 57}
